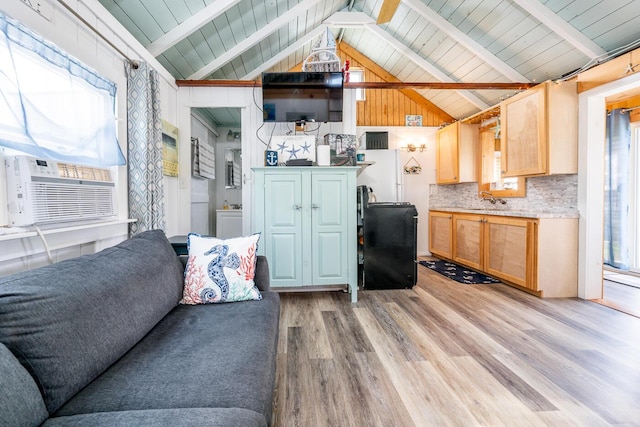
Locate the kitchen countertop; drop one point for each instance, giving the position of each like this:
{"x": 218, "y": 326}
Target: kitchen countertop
{"x": 506, "y": 212}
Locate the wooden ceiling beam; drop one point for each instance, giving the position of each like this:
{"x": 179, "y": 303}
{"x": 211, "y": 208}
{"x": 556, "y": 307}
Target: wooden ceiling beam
{"x": 390, "y": 78}
{"x": 219, "y": 83}
{"x": 395, "y": 85}
{"x": 439, "y": 85}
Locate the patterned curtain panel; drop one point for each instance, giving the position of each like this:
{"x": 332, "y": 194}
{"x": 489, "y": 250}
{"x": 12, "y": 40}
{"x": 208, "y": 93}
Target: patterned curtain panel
{"x": 144, "y": 134}
{"x": 617, "y": 221}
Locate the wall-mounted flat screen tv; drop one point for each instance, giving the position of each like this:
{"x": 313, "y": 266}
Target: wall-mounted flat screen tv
{"x": 302, "y": 97}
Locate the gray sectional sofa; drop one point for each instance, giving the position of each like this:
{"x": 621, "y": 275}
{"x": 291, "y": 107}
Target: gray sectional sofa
{"x": 100, "y": 340}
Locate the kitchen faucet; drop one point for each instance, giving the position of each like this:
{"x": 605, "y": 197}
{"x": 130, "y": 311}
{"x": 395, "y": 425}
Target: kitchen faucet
{"x": 485, "y": 195}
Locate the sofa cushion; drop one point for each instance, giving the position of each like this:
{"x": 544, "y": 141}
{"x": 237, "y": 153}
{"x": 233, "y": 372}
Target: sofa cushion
{"x": 21, "y": 403}
{"x": 220, "y": 270}
{"x": 190, "y": 417}
{"x": 199, "y": 356}
{"x": 67, "y": 322}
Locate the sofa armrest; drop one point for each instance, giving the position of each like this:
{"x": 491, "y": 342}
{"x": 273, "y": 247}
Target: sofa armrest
{"x": 262, "y": 272}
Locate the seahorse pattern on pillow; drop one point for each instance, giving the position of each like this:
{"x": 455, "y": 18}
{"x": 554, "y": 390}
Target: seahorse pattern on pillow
{"x": 220, "y": 270}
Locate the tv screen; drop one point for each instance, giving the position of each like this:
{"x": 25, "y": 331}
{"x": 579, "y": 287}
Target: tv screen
{"x": 302, "y": 96}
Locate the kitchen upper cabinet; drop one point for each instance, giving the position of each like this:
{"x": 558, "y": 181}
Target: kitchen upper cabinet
{"x": 307, "y": 217}
{"x": 468, "y": 240}
{"x": 456, "y": 153}
{"x": 440, "y": 234}
{"x": 539, "y": 131}
{"x": 538, "y": 255}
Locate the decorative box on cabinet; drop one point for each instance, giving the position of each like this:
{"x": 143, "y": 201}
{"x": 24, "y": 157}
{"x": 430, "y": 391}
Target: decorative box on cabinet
{"x": 539, "y": 130}
{"x": 307, "y": 217}
{"x": 537, "y": 255}
{"x": 456, "y": 153}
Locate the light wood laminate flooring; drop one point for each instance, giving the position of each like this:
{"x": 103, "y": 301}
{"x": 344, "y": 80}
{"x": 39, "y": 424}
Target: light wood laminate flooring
{"x": 448, "y": 354}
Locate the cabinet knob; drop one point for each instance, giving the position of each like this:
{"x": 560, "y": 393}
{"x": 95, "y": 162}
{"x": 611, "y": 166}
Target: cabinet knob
{"x": 297, "y": 207}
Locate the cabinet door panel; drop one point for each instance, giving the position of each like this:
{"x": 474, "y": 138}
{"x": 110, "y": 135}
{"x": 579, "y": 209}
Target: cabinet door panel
{"x": 525, "y": 134}
{"x": 331, "y": 259}
{"x": 283, "y": 219}
{"x": 329, "y": 200}
{"x": 284, "y": 249}
{"x": 467, "y": 246}
{"x": 447, "y": 155}
{"x": 440, "y": 228}
{"x": 507, "y": 253}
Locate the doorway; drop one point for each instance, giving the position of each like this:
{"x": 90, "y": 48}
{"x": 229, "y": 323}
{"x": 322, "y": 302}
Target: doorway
{"x": 216, "y": 204}
{"x": 621, "y": 270}
{"x": 592, "y": 114}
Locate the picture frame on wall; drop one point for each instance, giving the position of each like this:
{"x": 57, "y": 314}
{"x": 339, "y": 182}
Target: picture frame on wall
{"x": 169, "y": 149}
{"x": 413, "y": 120}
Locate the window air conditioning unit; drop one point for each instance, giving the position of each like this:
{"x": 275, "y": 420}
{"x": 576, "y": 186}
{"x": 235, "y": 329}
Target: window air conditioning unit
{"x": 46, "y": 191}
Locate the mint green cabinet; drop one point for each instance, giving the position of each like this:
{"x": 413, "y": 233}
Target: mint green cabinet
{"x": 307, "y": 217}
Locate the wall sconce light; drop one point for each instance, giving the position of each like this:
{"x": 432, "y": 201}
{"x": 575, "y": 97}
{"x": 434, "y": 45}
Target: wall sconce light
{"x": 413, "y": 147}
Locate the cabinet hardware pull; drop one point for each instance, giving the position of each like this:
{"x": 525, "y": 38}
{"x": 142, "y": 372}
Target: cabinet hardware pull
{"x": 297, "y": 207}
{"x": 314, "y": 206}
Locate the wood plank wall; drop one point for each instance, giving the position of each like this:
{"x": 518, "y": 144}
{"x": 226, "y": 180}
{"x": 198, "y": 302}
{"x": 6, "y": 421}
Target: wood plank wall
{"x": 387, "y": 107}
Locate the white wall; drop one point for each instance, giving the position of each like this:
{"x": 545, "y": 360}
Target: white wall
{"x": 63, "y": 29}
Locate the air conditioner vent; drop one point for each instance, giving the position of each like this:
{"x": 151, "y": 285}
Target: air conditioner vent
{"x": 45, "y": 191}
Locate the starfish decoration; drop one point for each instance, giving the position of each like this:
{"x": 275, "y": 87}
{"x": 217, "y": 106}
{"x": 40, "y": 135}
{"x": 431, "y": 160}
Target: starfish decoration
{"x": 282, "y": 147}
{"x": 293, "y": 152}
{"x": 630, "y": 68}
{"x": 305, "y": 148}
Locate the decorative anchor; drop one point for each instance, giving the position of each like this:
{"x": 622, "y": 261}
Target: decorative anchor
{"x": 271, "y": 158}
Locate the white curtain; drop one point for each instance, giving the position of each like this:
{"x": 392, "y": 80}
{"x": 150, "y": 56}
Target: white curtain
{"x": 51, "y": 104}
{"x": 144, "y": 135}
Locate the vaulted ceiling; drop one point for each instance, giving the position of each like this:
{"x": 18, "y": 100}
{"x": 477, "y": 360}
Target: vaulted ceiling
{"x": 470, "y": 41}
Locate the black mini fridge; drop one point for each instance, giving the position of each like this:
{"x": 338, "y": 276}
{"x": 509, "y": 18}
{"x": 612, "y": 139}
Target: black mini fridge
{"x": 390, "y": 247}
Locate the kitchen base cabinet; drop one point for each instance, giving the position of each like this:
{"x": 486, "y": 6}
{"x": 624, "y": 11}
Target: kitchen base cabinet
{"x": 468, "y": 240}
{"x": 508, "y": 253}
{"x": 307, "y": 217}
{"x": 537, "y": 255}
{"x": 440, "y": 234}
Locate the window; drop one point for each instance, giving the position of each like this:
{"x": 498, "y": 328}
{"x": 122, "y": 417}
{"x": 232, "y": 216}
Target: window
{"x": 52, "y": 105}
{"x": 357, "y": 76}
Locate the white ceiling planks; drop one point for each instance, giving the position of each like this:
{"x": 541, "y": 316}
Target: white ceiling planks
{"x": 426, "y": 40}
{"x": 241, "y": 47}
{"x": 561, "y": 27}
{"x": 453, "y": 32}
{"x": 189, "y": 26}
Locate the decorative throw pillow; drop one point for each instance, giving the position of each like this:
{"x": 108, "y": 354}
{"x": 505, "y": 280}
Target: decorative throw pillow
{"x": 220, "y": 270}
